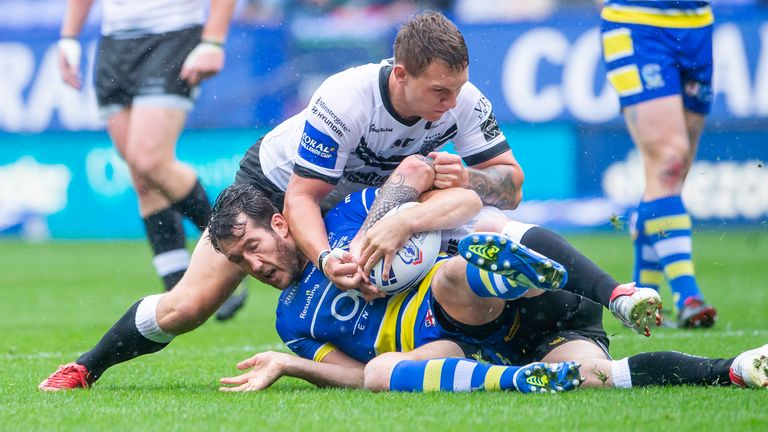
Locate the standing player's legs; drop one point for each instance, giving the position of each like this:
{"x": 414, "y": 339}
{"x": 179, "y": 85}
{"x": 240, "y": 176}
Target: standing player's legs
{"x": 152, "y": 322}
{"x": 663, "y": 79}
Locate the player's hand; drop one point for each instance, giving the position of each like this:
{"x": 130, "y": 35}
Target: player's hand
{"x": 205, "y": 61}
{"x": 341, "y": 268}
{"x": 69, "y": 61}
{"x": 449, "y": 170}
{"x": 266, "y": 368}
{"x": 383, "y": 240}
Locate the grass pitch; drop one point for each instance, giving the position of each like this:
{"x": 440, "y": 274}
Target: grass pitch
{"x": 56, "y": 300}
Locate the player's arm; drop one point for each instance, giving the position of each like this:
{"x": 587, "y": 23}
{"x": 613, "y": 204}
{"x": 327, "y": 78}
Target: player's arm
{"x": 498, "y": 181}
{"x": 438, "y": 210}
{"x": 69, "y": 47}
{"x": 335, "y": 370}
{"x": 302, "y": 211}
{"x": 207, "y": 59}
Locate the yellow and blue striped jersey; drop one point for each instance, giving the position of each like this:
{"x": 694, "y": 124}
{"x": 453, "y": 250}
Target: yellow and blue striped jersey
{"x": 667, "y": 14}
{"x": 314, "y": 317}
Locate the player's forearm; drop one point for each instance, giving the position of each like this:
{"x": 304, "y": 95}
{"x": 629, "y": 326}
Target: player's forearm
{"x": 443, "y": 209}
{"x": 325, "y": 374}
{"x": 74, "y": 18}
{"x": 306, "y": 223}
{"x": 219, "y": 17}
{"x": 498, "y": 185}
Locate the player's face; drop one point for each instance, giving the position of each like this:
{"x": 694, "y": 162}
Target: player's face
{"x": 434, "y": 91}
{"x": 269, "y": 255}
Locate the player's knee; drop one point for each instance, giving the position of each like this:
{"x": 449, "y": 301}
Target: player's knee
{"x": 378, "y": 371}
{"x": 418, "y": 171}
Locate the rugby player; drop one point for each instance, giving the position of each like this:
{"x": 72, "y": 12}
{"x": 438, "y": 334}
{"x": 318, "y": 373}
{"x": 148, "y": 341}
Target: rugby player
{"x": 360, "y": 125}
{"x": 152, "y": 56}
{"x": 659, "y": 60}
{"x": 459, "y": 313}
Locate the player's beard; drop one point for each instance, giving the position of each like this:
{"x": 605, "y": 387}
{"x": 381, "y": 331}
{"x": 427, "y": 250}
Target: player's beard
{"x": 290, "y": 257}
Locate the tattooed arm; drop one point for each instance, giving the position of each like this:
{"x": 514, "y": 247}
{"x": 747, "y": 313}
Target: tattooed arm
{"x": 497, "y": 181}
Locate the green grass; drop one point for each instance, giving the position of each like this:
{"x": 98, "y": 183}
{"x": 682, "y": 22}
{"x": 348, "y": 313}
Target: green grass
{"x": 57, "y": 299}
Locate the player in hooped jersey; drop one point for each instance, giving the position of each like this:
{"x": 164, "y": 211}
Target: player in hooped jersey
{"x": 659, "y": 60}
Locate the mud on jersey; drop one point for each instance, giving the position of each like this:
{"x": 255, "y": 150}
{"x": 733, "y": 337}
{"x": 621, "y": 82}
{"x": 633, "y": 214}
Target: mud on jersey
{"x": 351, "y": 136}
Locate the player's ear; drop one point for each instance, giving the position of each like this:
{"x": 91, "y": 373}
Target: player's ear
{"x": 400, "y": 73}
{"x": 279, "y": 225}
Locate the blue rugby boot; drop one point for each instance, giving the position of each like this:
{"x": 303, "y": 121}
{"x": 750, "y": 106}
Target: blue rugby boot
{"x": 548, "y": 377}
{"x": 497, "y": 253}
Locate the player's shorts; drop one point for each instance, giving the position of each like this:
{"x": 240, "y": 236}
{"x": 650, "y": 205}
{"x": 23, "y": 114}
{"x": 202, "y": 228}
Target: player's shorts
{"x": 144, "y": 70}
{"x": 645, "y": 62}
{"x": 250, "y": 172}
{"x": 529, "y": 328}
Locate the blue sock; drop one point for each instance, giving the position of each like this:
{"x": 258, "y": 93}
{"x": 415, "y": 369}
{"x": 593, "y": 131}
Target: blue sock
{"x": 450, "y": 375}
{"x": 646, "y": 271}
{"x": 487, "y": 284}
{"x": 667, "y": 227}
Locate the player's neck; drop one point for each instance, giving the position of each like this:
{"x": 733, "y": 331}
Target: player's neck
{"x": 397, "y": 98}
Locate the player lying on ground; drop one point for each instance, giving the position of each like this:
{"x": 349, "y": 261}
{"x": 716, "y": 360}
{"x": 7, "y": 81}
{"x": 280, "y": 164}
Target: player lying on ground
{"x": 410, "y": 341}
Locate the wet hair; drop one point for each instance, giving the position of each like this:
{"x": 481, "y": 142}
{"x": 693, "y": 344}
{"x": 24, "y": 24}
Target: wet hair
{"x": 428, "y": 38}
{"x": 225, "y": 222}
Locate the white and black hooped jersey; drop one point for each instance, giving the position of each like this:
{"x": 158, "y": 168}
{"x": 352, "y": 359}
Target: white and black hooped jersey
{"x": 139, "y": 17}
{"x": 351, "y": 136}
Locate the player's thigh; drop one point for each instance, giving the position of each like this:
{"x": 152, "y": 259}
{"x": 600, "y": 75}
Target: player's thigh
{"x": 209, "y": 280}
{"x": 153, "y": 134}
{"x": 118, "y": 124}
{"x": 658, "y": 126}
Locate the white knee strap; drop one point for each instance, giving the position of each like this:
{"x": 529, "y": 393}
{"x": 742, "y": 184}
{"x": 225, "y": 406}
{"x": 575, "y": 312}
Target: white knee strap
{"x": 146, "y": 320}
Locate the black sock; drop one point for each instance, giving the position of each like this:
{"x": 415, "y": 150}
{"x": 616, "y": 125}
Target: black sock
{"x": 585, "y": 278}
{"x": 195, "y": 206}
{"x": 165, "y": 233}
{"x": 674, "y": 368}
{"x": 121, "y": 343}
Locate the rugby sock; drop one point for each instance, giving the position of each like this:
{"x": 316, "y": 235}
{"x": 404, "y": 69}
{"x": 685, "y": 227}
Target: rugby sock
{"x": 135, "y": 333}
{"x": 450, "y": 375}
{"x": 166, "y": 237}
{"x": 667, "y": 226}
{"x": 646, "y": 271}
{"x": 584, "y": 277}
{"x": 195, "y": 206}
{"x": 669, "y": 368}
{"x": 487, "y": 284}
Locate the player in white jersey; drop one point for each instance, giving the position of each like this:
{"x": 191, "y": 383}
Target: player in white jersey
{"x": 437, "y": 100}
{"x": 152, "y": 56}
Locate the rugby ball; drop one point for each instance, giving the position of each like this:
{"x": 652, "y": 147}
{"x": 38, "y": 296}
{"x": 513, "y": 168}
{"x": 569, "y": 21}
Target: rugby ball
{"x": 411, "y": 263}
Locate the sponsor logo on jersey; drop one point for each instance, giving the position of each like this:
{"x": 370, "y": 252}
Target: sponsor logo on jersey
{"x": 310, "y": 293}
{"x": 482, "y": 108}
{"x": 490, "y": 128}
{"x": 318, "y": 148}
{"x": 324, "y": 113}
{"x": 374, "y": 129}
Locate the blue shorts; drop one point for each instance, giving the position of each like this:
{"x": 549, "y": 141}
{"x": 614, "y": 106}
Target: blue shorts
{"x": 645, "y": 62}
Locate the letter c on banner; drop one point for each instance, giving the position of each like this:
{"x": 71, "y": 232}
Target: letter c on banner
{"x": 520, "y": 70}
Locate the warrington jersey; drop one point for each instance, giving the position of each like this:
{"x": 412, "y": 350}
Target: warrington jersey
{"x": 139, "y": 17}
{"x": 668, "y": 14}
{"x": 314, "y": 317}
{"x": 351, "y": 136}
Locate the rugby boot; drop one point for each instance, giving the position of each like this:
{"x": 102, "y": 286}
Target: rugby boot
{"x": 67, "y": 377}
{"x": 637, "y": 308}
{"x": 750, "y": 368}
{"x": 696, "y": 314}
{"x": 548, "y": 377}
{"x": 497, "y": 253}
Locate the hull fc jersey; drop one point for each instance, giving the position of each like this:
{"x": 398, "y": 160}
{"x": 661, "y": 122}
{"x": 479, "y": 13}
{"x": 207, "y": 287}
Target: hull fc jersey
{"x": 351, "y": 136}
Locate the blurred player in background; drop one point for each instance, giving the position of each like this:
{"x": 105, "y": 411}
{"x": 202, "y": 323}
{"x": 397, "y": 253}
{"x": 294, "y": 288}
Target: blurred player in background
{"x": 659, "y": 60}
{"x": 152, "y": 56}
